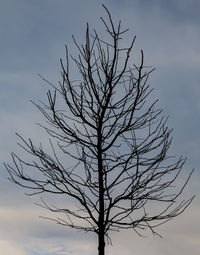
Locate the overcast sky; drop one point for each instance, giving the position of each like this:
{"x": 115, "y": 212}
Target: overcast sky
{"x": 32, "y": 38}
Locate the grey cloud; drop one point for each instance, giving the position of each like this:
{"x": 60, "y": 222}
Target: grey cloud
{"x": 33, "y": 35}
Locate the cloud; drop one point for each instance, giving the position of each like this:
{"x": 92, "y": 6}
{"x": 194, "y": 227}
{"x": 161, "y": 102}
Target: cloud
{"x": 10, "y": 248}
{"x": 22, "y": 230}
{"x": 33, "y": 35}
{"x": 180, "y": 236}
{"x": 22, "y": 226}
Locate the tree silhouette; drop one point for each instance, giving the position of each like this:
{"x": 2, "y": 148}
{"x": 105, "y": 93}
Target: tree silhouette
{"x": 122, "y": 176}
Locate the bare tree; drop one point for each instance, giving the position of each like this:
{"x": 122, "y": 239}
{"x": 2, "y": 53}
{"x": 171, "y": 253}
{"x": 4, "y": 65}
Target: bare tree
{"x": 123, "y": 176}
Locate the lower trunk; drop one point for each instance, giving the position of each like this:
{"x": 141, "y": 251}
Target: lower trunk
{"x": 101, "y": 232}
{"x": 101, "y": 247}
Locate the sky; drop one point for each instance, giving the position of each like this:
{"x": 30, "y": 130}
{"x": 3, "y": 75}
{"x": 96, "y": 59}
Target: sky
{"x": 32, "y": 38}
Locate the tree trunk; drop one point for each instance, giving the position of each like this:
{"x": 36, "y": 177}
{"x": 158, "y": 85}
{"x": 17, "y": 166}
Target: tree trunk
{"x": 101, "y": 244}
{"x": 101, "y": 241}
